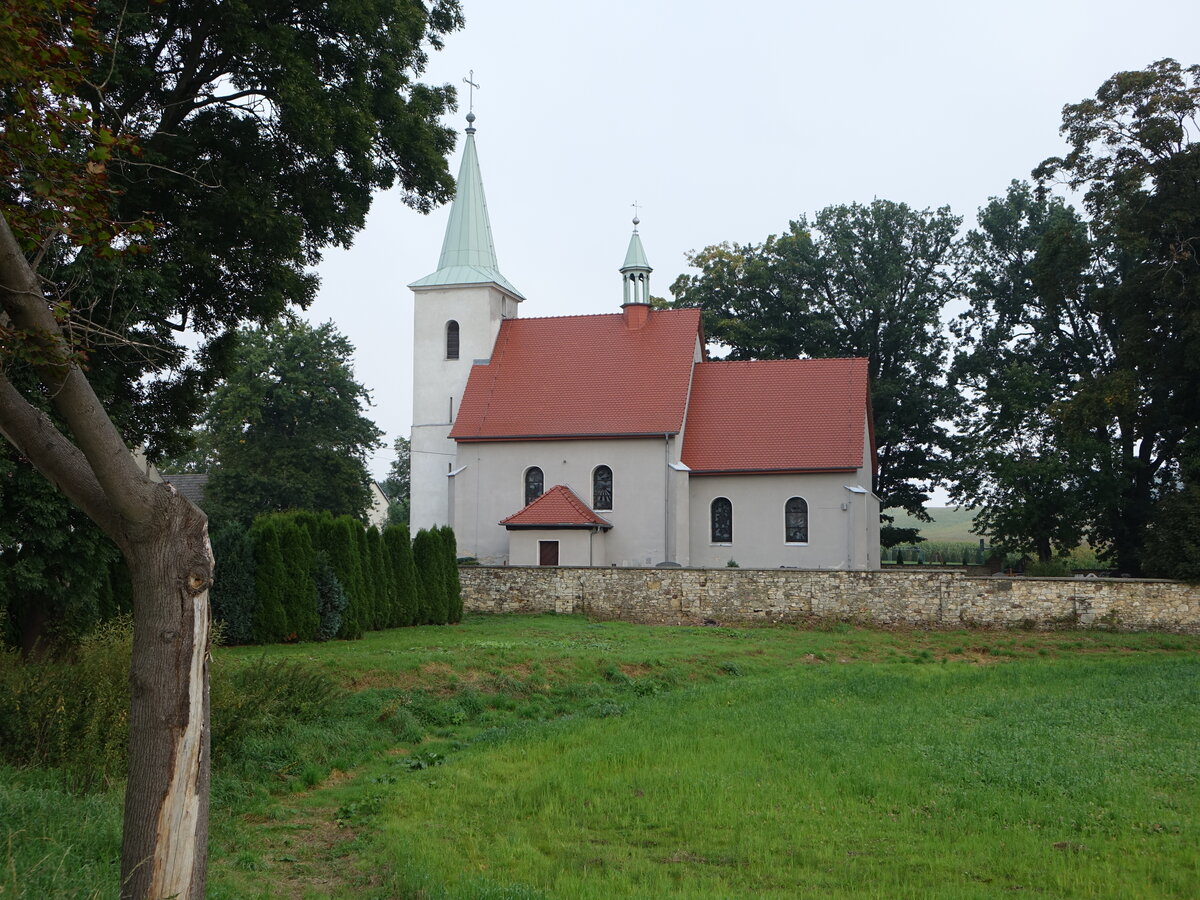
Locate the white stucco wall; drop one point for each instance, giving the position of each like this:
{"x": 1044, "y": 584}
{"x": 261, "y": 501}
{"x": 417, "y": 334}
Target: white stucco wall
{"x": 438, "y": 383}
{"x": 491, "y": 487}
{"x": 576, "y": 546}
{"x": 838, "y": 538}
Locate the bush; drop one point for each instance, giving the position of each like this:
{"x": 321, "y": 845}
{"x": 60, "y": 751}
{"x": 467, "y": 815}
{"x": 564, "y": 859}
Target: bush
{"x": 1059, "y": 567}
{"x": 300, "y": 590}
{"x": 454, "y": 604}
{"x": 271, "y": 578}
{"x": 1172, "y": 548}
{"x": 429, "y": 555}
{"x": 263, "y": 697}
{"x": 74, "y": 714}
{"x": 339, "y": 542}
{"x": 398, "y": 549}
{"x": 331, "y": 598}
{"x": 233, "y": 592}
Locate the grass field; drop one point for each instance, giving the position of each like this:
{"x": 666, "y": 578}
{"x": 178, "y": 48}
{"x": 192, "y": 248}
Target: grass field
{"x": 555, "y": 757}
{"x": 950, "y": 524}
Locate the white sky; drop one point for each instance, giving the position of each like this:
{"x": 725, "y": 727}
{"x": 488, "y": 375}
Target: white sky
{"x": 724, "y": 121}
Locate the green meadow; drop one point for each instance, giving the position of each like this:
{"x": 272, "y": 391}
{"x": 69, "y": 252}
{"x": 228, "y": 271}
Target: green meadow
{"x": 547, "y": 757}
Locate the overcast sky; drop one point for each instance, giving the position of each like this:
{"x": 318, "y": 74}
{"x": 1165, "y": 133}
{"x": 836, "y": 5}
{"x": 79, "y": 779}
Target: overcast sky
{"x": 724, "y": 121}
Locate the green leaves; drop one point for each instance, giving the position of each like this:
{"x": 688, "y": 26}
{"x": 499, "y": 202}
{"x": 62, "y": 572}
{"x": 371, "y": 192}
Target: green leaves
{"x": 857, "y": 281}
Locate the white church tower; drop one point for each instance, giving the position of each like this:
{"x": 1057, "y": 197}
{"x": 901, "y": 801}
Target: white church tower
{"x": 457, "y": 313}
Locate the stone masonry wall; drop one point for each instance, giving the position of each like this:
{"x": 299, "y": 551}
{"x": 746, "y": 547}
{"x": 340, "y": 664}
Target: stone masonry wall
{"x": 924, "y": 599}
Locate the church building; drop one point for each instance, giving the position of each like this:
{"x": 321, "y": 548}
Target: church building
{"x": 611, "y": 439}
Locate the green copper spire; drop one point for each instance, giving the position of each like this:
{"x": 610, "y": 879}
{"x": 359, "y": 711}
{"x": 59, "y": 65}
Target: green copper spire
{"x": 468, "y": 254}
{"x": 635, "y": 273}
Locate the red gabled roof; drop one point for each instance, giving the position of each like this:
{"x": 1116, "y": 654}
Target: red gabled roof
{"x": 582, "y": 376}
{"x": 788, "y": 415}
{"x": 557, "y": 508}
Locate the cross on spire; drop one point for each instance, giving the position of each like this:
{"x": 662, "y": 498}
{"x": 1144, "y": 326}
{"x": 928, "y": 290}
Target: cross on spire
{"x": 636, "y": 221}
{"x": 470, "y": 79}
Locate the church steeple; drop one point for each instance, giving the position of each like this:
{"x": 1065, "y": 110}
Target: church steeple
{"x": 468, "y": 253}
{"x": 635, "y": 273}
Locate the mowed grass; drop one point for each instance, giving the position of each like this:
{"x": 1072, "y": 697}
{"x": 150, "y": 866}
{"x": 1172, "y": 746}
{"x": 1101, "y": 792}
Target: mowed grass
{"x": 515, "y": 757}
{"x": 612, "y": 760}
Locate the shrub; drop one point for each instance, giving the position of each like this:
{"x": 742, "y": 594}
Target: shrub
{"x": 1172, "y": 548}
{"x": 429, "y": 554}
{"x": 454, "y": 604}
{"x": 271, "y": 579}
{"x": 70, "y": 714}
{"x": 331, "y": 598}
{"x": 263, "y": 697}
{"x": 1058, "y": 567}
{"x": 340, "y": 544}
{"x": 299, "y": 596}
{"x": 233, "y": 591}
{"x": 398, "y": 549}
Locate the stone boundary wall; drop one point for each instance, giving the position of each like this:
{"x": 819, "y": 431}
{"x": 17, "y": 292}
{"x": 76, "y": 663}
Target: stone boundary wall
{"x": 923, "y": 599}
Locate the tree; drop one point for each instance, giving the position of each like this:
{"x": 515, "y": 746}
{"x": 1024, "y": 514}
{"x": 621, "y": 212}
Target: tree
{"x": 287, "y": 426}
{"x": 1135, "y": 155}
{"x": 396, "y": 485}
{"x": 1026, "y": 339}
{"x": 858, "y": 281}
{"x": 164, "y": 167}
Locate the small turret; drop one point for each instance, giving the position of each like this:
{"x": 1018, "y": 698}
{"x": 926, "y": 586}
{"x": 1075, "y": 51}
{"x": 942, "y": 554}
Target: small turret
{"x": 635, "y": 274}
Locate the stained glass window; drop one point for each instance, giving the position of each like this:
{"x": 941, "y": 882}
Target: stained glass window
{"x": 602, "y": 488}
{"x": 722, "y": 521}
{"x": 795, "y": 521}
{"x": 451, "y": 340}
{"x": 534, "y": 486}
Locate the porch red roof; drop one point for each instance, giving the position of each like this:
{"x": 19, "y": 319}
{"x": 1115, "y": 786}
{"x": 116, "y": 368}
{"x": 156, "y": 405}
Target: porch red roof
{"x": 559, "y": 507}
{"x": 793, "y": 415}
{"x": 582, "y": 376}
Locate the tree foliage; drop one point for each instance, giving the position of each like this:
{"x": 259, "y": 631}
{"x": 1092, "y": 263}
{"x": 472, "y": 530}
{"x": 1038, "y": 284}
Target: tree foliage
{"x": 1083, "y": 340}
{"x": 855, "y": 281}
{"x": 287, "y": 426}
{"x": 396, "y": 485}
{"x": 1025, "y": 340}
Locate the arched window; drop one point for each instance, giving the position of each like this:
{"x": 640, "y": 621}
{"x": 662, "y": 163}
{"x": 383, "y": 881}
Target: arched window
{"x": 602, "y": 488}
{"x": 534, "y": 485}
{"x": 451, "y": 340}
{"x": 795, "y": 521}
{"x": 722, "y": 521}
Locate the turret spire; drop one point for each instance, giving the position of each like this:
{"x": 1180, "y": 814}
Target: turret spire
{"x": 635, "y": 273}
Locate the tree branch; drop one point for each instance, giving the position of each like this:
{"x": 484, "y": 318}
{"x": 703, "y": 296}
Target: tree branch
{"x": 126, "y": 487}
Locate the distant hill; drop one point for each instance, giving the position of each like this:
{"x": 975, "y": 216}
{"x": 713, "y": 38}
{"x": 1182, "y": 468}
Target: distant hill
{"x": 949, "y": 524}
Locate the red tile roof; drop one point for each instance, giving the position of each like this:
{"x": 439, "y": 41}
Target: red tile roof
{"x": 582, "y": 376}
{"x": 557, "y": 508}
{"x": 792, "y": 415}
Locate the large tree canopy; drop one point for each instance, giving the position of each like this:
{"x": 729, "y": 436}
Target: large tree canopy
{"x": 857, "y": 281}
{"x": 167, "y": 166}
{"x": 287, "y": 427}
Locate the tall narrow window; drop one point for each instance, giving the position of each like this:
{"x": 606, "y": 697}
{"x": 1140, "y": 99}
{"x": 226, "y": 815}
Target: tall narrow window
{"x": 602, "y": 488}
{"x": 795, "y": 521}
{"x": 722, "y": 521}
{"x": 534, "y": 485}
{"x": 451, "y": 340}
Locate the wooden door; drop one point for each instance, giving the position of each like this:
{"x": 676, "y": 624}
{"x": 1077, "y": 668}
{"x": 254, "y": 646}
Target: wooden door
{"x": 547, "y": 553}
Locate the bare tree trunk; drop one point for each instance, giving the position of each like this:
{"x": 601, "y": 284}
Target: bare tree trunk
{"x": 163, "y": 850}
{"x": 164, "y": 539}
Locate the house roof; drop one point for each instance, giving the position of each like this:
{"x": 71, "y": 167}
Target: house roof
{"x": 582, "y": 376}
{"x": 791, "y": 415}
{"x": 191, "y": 486}
{"x": 559, "y": 507}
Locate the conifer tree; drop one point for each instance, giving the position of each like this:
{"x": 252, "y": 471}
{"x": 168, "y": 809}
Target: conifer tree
{"x": 300, "y": 594}
{"x": 270, "y": 576}
{"x": 339, "y": 543}
{"x": 399, "y": 551}
{"x": 453, "y": 584}
{"x": 428, "y": 554}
